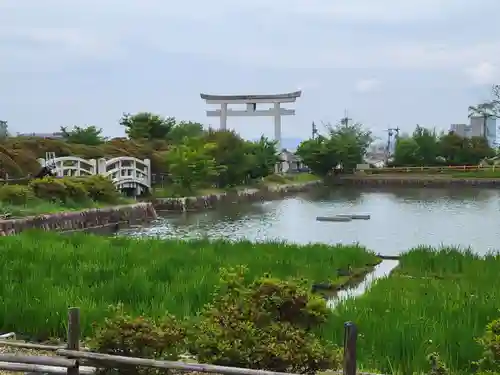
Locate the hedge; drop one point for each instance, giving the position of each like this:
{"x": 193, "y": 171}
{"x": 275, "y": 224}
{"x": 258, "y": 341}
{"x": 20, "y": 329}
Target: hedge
{"x": 74, "y": 189}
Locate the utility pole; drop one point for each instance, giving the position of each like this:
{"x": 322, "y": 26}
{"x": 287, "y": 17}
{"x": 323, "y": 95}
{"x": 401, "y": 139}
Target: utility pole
{"x": 390, "y": 133}
{"x": 314, "y": 130}
{"x": 345, "y": 120}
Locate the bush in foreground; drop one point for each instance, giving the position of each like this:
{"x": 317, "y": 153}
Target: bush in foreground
{"x": 490, "y": 342}
{"x": 142, "y": 337}
{"x": 266, "y": 324}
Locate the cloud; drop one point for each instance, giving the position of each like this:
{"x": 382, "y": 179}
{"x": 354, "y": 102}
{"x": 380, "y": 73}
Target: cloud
{"x": 483, "y": 73}
{"x": 309, "y": 85}
{"x": 367, "y": 85}
{"x": 386, "y": 11}
{"x": 261, "y": 33}
{"x": 117, "y": 55}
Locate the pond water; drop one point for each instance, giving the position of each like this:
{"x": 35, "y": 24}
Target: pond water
{"x": 401, "y": 218}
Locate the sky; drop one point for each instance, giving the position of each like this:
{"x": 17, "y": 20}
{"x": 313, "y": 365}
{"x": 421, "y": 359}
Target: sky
{"x": 388, "y": 62}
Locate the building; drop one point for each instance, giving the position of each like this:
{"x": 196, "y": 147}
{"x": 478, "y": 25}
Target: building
{"x": 484, "y": 127}
{"x": 57, "y": 135}
{"x": 290, "y": 163}
{"x": 478, "y": 127}
{"x": 460, "y": 129}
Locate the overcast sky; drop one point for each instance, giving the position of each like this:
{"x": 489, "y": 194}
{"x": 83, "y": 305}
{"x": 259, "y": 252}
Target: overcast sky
{"x": 389, "y": 62}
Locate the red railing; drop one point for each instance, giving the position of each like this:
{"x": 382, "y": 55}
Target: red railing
{"x": 440, "y": 169}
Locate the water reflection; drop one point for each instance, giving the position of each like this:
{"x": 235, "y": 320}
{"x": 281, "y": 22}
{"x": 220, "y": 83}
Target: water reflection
{"x": 429, "y": 195}
{"x": 381, "y": 270}
{"x": 401, "y": 218}
{"x": 325, "y": 193}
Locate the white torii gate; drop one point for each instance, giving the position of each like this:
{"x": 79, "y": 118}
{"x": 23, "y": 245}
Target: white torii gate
{"x": 251, "y": 102}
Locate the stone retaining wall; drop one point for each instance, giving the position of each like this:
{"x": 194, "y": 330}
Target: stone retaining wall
{"x": 91, "y": 219}
{"x": 241, "y": 196}
{"x": 415, "y": 181}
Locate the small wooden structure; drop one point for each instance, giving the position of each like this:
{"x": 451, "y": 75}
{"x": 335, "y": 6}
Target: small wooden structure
{"x": 69, "y": 357}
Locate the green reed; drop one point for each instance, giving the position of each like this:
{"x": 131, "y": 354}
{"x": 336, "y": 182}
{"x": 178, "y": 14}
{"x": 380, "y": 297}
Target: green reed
{"x": 44, "y": 273}
{"x": 436, "y": 301}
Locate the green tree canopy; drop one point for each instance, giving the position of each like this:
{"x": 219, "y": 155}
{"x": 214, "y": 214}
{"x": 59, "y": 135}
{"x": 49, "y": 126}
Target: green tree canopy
{"x": 191, "y": 165}
{"x": 262, "y": 157}
{"x": 89, "y": 135}
{"x": 218, "y": 159}
{"x": 183, "y": 129}
{"x": 146, "y": 125}
{"x": 406, "y": 152}
{"x": 344, "y": 144}
{"x": 426, "y": 148}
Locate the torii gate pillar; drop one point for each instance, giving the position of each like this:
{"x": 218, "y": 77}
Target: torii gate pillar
{"x": 251, "y": 102}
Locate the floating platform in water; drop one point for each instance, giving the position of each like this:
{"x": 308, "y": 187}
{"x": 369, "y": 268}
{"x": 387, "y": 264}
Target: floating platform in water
{"x": 356, "y": 216}
{"x": 334, "y": 218}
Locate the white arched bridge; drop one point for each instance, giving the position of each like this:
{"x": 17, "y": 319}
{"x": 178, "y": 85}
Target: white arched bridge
{"x": 127, "y": 173}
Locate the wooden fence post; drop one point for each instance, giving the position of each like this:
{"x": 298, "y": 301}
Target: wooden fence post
{"x": 73, "y": 335}
{"x": 350, "y": 336}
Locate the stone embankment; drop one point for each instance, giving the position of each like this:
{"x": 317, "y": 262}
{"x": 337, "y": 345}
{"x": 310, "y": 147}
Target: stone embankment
{"x": 88, "y": 220}
{"x": 414, "y": 180}
{"x": 186, "y": 204}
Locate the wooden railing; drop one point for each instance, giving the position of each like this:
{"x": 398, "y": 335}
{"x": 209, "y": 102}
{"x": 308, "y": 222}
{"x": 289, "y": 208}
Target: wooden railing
{"x": 440, "y": 169}
{"x": 70, "y": 357}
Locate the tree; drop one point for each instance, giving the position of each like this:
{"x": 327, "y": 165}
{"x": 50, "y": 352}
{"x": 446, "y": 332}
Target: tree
{"x": 453, "y": 148}
{"x": 231, "y": 155}
{"x": 344, "y": 143}
{"x": 427, "y": 142}
{"x": 4, "y": 129}
{"x": 262, "y": 157}
{"x": 425, "y": 148}
{"x": 496, "y": 99}
{"x": 406, "y": 152}
{"x": 351, "y": 142}
{"x": 191, "y": 165}
{"x": 185, "y": 129}
{"x": 145, "y": 125}
{"x": 485, "y": 111}
{"x": 90, "y": 135}
{"x": 478, "y": 149}
{"x": 317, "y": 156}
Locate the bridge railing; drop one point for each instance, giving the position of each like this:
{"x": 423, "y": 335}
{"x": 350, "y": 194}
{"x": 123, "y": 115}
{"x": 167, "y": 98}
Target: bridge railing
{"x": 71, "y": 166}
{"x": 126, "y": 169}
{"x": 439, "y": 169}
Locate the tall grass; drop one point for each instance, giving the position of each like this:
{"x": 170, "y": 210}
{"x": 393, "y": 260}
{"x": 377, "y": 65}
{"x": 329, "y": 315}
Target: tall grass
{"x": 437, "y": 301}
{"x": 44, "y": 273}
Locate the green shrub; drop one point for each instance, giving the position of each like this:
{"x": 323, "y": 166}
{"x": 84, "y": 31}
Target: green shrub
{"x": 75, "y": 189}
{"x": 265, "y": 325}
{"x": 437, "y": 366}
{"x": 490, "y": 342}
{"x": 128, "y": 336}
{"x": 100, "y": 189}
{"x": 276, "y": 178}
{"x": 16, "y": 194}
{"x": 49, "y": 189}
